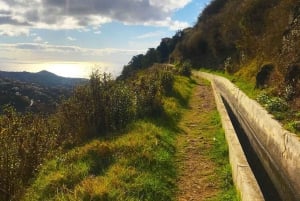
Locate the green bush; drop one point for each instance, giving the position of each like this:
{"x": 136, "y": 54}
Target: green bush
{"x": 294, "y": 126}
{"x": 149, "y": 89}
{"x": 102, "y": 105}
{"x": 148, "y": 96}
{"x": 166, "y": 80}
{"x": 273, "y": 104}
{"x": 26, "y": 140}
{"x": 185, "y": 69}
{"x": 105, "y": 105}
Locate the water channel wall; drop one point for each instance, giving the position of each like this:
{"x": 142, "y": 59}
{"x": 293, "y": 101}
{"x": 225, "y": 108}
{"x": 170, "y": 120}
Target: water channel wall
{"x": 277, "y": 148}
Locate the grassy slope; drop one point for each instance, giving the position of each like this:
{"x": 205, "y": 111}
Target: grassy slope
{"x": 138, "y": 164}
{"x": 135, "y": 165}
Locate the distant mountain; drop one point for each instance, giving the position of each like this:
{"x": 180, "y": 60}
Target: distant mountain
{"x": 43, "y": 78}
{"x": 36, "y": 92}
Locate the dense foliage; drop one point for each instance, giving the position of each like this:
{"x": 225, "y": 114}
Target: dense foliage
{"x": 246, "y": 38}
{"x": 153, "y": 55}
{"x": 29, "y": 96}
{"x": 25, "y": 141}
{"x": 134, "y": 164}
{"x": 259, "y": 41}
{"x": 96, "y": 109}
{"x": 256, "y": 41}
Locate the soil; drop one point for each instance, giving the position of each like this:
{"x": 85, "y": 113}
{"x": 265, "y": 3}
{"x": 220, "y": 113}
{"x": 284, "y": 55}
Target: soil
{"x": 197, "y": 171}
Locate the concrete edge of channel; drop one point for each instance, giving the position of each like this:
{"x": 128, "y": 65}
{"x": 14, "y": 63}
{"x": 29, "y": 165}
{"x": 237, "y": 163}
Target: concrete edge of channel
{"x": 242, "y": 174}
{"x": 277, "y": 148}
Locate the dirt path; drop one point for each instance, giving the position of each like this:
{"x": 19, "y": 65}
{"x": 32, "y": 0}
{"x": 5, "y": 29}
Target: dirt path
{"x": 197, "y": 171}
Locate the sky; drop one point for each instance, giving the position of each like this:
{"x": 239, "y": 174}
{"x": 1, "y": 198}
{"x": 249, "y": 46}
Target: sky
{"x": 73, "y": 37}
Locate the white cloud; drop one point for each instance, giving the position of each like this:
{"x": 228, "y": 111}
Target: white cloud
{"x": 169, "y": 5}
{"x": 12, "y": 30}
{"x": 71, "y": 38}
{"x": 12, "y": 56}
{"x": 178, "y": 25}
{"x": 38, "y": 39}
{"x": 152, "y": 35}
{"x": 97, "y": 32}
{"x": 48, "y": 52}
{"x": 23, "y": 15}
{"x": 168, "y": 22}
{"x": 4, "y": 6}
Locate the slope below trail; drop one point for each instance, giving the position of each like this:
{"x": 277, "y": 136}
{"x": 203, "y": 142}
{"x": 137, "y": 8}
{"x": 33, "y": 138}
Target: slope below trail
{"x": 198, "y": 179}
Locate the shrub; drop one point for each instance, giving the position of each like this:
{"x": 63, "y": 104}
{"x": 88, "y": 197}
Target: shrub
{"x": 185, "y": 69}
{"x": 106, "y": 105}
{"x": 148, "y": 96}
{"x": 166, "y": 79}
{"x": 102, "y": 105}
{"x": 121, "y": 109}
{"x": 273, "y": 104}
{"x": 149, "y": 89}
{"x": 26, "y": 140}
{"x": 289, "y": 92}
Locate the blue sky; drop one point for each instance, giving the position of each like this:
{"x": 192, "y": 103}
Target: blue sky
{"x": 71, "y": 37}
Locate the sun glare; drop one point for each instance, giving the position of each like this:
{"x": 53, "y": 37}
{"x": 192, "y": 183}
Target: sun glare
{"x": 66, "y": 69}
{"x": 82, "y": 70}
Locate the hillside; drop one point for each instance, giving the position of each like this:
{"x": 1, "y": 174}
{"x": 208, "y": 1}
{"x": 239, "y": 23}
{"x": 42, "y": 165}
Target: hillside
{"x": 256, "y": 40}
{"x": 36, "y": 92}
{"x": 255, "y": 43}
{"x": 147, "y": 159}
{"x": 141, "y": 136}
{"x": 100, "y": 108}
{"x": 43, "y": 78}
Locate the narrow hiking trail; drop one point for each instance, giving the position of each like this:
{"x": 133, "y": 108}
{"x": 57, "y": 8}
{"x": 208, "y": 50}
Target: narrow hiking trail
{"x": 197, "y": 172}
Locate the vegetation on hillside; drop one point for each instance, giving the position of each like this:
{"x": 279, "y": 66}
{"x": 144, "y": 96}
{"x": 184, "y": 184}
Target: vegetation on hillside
{"x": 255, "y": 41}
{"x": 126, "y": 167}
{"x": 35, "y": 92}
{"x": 160, "y": 54}
{"x": 114, "y": 119}
{"x": 43, "y": 78}
{"x": 97, "y": 109}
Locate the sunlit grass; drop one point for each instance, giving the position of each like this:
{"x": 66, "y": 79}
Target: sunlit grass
{"x": 137, "y": 164}
{"x": 213, "y": 134}
{"x": 247, "y": 86}
{"x": 219, "y": 154}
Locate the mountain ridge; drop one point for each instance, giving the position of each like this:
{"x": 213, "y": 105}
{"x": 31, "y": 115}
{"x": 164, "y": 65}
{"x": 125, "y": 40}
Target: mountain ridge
{"x": 43, "y": 78}
{"x": 36, "y": 92}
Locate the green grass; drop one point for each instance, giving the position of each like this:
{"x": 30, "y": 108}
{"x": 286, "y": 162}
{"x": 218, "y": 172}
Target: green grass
{"x": 213, "y": 145}
{"x": 183, "y": 89}
{"x": 219, "y": 154}
{"x": 247, "y": 86}
{"x": 137, "y": 164}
